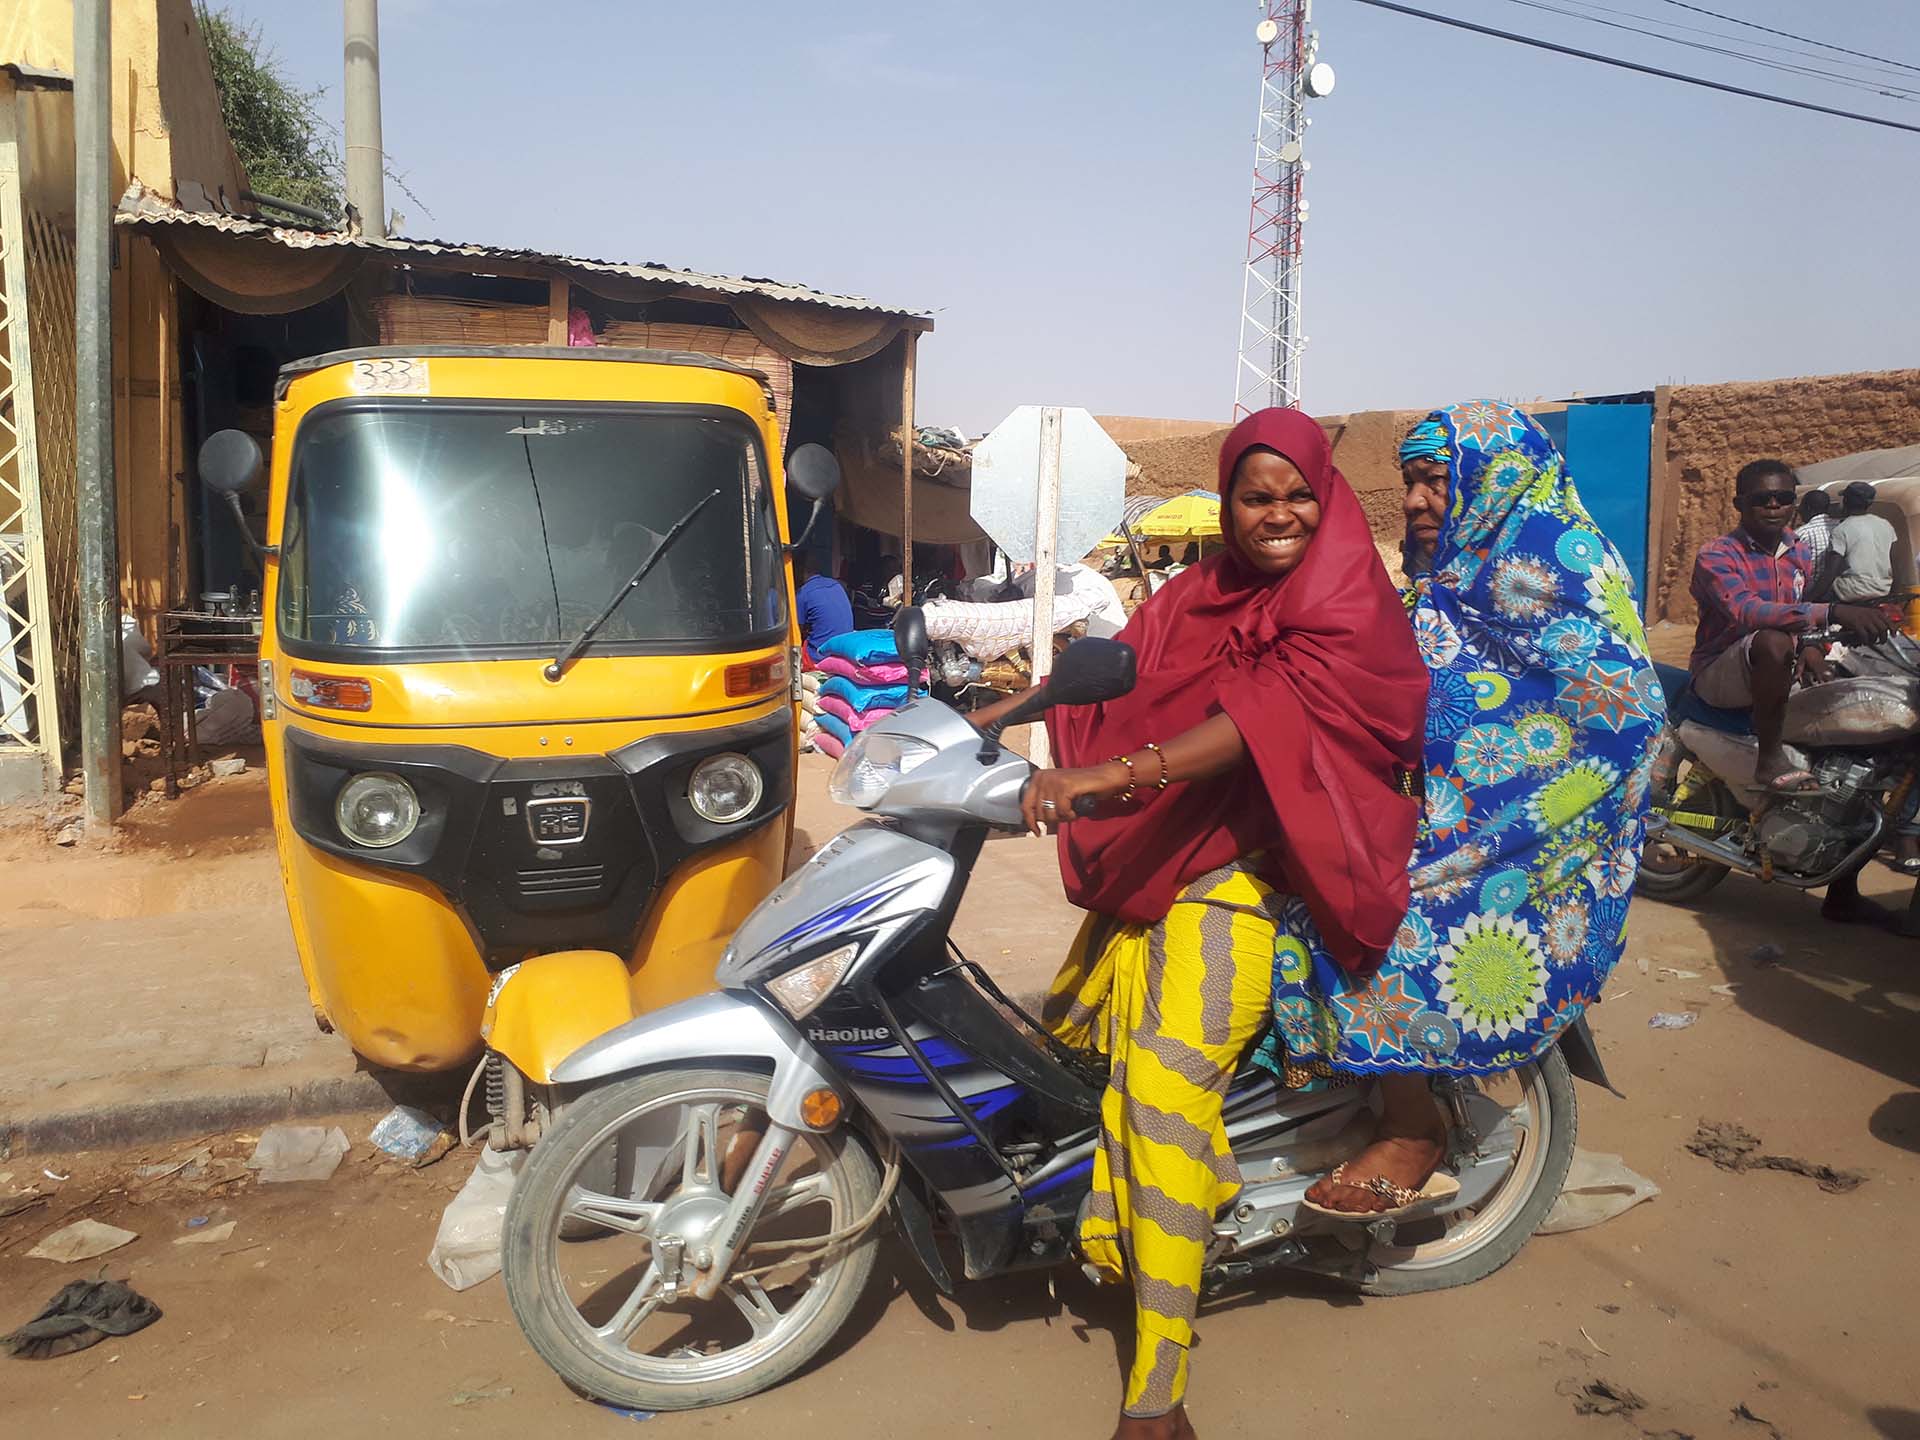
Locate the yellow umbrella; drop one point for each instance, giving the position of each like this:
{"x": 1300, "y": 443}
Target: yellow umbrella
{"x": 1195, "y": 516}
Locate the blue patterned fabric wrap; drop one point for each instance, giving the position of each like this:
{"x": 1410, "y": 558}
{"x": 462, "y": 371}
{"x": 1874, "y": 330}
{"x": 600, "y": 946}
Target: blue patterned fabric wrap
{"x": 1542, "y": 718}
{"x": 1426, "y": 441}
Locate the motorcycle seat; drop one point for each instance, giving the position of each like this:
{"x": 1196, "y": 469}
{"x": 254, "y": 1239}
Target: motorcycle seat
{"x": 1683, "y": 704}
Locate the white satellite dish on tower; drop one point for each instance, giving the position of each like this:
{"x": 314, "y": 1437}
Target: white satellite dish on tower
{"x": 1320, "y": 81}
{"x": 1290, "y": 152}
{"x": 1267, "y": 31}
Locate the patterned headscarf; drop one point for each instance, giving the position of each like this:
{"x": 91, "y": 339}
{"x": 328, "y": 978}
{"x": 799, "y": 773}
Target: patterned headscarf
{"x": 1426, "y": 441}
{"x": 1542, "y": 714}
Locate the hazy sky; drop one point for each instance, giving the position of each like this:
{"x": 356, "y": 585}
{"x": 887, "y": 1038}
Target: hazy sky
{"x": 1066, "y": 186}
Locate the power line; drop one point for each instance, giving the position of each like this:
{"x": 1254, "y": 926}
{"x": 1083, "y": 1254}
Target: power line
{"x": 1877, "y": 67}
{"x": 1814, "y": 72}
{"x": 1789, "y": 35}
{"x": 1637, "y": 68}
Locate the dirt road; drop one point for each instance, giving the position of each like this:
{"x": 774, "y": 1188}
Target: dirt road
{"x": 319, "y": 1318}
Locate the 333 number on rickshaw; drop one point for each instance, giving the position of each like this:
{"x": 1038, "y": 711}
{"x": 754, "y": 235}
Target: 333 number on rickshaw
{"x": 390, "y": 377}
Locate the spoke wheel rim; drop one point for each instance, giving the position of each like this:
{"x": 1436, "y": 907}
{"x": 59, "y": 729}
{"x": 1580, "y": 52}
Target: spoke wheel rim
{"x": 775, "y": 1326}
{"x": 1466, "y": 1231}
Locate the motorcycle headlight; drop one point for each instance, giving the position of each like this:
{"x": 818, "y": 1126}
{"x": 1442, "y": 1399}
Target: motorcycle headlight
{"x": 725, "y": 788}
{"x": 872, "y": 763}
{"x": 376, "y": 810}
{"x": 801, "y": 989}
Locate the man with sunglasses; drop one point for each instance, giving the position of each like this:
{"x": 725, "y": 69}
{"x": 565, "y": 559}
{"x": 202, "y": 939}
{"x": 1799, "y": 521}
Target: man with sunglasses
{"x": 1753, "y": 639}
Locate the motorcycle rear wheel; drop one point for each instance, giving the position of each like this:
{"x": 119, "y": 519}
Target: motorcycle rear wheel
{"x": 1459, "y": 1249}
{"x": 674, "y": 1355}
{"x": 1674, "y": 875}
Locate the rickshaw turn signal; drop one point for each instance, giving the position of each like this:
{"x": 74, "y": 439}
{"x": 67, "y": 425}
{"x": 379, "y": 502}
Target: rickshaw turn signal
{"x": 756, "y": 677}
{"x": 330, "y": 692}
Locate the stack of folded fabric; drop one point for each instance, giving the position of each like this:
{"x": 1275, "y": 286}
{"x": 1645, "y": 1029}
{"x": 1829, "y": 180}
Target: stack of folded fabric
{"x": 863, "y": 682}
{"x": 810, "y": 681}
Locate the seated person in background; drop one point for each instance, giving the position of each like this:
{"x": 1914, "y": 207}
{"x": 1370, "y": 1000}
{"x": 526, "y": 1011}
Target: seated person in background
{"x": 1752, "y": 641}
{"x": 1162, "y": 560}
{"x": 1863, "y": 546}
{"x": 821, "y": 604}
{"x": 1815, "y": 529}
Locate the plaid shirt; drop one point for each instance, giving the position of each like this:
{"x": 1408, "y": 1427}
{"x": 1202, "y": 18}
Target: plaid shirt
{"x": 1817, "y": 536}
{"x": 1741, "y": 588}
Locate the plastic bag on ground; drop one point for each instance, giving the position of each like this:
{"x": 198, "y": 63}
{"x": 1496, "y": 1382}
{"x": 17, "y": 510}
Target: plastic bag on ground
{"x": 467, "y": 1248}
{"x": 298, "y": 1152}
{"x": 406, "y": 1133}
{"x": 1598, "y": 1187}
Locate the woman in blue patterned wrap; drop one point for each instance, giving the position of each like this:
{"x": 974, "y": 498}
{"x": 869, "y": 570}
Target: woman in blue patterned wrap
{"x": 1542, "y": 717}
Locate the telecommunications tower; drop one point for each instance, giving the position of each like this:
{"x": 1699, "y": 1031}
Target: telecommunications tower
{"x": 1268, "y": 372}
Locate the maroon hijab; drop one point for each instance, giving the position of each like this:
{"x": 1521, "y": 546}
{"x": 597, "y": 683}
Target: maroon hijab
{"x": 1319, "y": 671}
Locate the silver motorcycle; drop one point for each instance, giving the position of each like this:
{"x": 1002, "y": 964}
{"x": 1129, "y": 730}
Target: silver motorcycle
{"x": 1858, "y": 735}
{"x": 732, "y": 1158}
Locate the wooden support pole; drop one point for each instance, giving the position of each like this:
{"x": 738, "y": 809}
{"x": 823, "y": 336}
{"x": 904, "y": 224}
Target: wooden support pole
{"x": 911, "y": 341}
{"x": 559, "y": 302}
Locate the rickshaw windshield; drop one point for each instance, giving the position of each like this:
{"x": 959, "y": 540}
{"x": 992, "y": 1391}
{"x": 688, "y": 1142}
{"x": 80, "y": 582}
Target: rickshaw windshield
{"x": 443, "y": 529}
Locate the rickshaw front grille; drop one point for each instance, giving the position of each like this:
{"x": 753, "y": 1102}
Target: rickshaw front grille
{"x": 567, "y": 880}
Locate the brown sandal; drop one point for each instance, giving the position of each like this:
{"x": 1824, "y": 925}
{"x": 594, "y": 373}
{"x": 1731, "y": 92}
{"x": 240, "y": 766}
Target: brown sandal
{"x": 1400, "y": 1199}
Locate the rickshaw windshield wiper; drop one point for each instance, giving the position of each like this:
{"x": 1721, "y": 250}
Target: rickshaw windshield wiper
{"x": 556, "y": 668}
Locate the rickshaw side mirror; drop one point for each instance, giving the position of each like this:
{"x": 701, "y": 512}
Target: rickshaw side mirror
{"x": 814, "y": 474}
{"x": 230, "y": 465}
{"x": 813, "y": 471}
{"x": 231, "y": 462}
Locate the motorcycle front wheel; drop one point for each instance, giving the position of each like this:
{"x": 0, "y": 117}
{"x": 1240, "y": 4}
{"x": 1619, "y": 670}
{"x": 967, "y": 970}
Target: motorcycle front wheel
{"x": 594, "y": 1310}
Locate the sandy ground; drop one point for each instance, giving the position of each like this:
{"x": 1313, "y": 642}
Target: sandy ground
{"x": 319, "y": 1317}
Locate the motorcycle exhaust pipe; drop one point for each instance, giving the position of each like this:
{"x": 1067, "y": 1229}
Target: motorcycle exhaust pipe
{"x": 1660, "y": 829}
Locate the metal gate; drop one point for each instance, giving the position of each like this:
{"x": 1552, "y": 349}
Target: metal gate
{"x": 39, "y": 604}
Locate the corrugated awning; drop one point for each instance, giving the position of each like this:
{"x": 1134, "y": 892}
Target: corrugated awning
{"x": 257, "y": 267}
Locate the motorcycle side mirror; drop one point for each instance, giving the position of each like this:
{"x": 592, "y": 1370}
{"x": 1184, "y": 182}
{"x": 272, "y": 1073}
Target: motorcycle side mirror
{"x": 1091, "y": 671}
{"x": 230, "y": 465}
{"x": 910, "y": 641}
{"x": 813, "y": 474}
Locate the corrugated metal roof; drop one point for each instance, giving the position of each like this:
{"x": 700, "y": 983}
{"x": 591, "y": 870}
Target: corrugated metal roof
{"x": 140, "y": 210}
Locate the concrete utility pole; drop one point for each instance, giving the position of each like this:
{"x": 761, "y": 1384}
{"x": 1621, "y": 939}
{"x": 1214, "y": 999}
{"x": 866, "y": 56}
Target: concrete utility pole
{"x": 366, "y": 156}
{"x": 98, "y": 521}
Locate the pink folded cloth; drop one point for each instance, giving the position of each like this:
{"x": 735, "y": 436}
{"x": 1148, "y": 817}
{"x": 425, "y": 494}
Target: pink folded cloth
{"x": 828, "y": 745}
{"x": 856, "y": 722}
{"x": 886, "y": 673}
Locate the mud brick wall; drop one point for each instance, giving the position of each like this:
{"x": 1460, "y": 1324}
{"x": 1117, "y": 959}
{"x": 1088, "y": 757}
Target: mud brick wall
{"x": 1712, "y": 430}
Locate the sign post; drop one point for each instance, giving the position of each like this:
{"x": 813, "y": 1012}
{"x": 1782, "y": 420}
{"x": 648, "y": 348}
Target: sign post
{"x": 1046, "y": 534}
{"x": 1048, "y": 483}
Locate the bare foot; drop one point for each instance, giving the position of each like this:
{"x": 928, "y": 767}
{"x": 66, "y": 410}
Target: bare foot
{"x": 1405, "y": 1155}
{"x": 1173, "y": 1425}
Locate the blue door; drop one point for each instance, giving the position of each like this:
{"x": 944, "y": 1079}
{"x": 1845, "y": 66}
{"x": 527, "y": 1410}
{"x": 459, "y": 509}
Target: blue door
{"x": 1609, "y": 451}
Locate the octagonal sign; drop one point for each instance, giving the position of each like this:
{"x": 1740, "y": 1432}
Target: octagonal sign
{"x": 1006, "y": 483}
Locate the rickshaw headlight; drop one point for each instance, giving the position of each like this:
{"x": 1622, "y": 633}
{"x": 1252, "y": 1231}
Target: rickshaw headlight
{"x": 376, "y": 810}
{"x": 725, "y": 788}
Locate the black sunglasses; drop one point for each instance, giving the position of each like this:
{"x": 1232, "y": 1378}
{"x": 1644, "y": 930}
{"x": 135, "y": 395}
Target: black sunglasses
{"x": 1763, "y": 499}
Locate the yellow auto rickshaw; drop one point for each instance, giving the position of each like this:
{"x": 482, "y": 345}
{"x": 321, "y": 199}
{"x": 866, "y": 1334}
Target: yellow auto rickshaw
{"x": 526, "y": 678}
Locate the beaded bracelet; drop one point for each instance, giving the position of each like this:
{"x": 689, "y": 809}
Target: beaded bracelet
{"x": 1166, "y": 777}
{"x": 1126, "y": 760}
